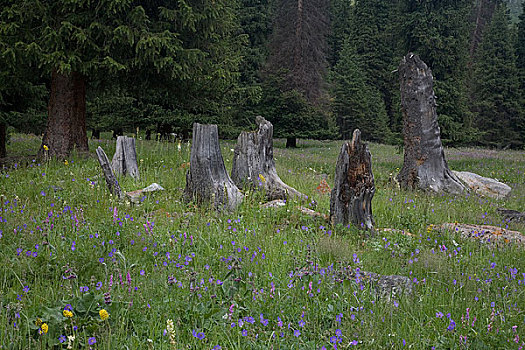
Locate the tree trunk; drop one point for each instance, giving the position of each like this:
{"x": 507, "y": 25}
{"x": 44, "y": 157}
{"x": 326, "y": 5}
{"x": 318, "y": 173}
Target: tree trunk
{"x": 3, "y": 139}
{"x": 66, "y": 123}
{"x": 424, "y": 164}
{"x": 124, "y": 161}
{"x": 354, "y": 188}
{"x": 254, "y": 166}
{"x": 291, "y": 142}
{"x": 111, "y": 181}
{"x": 481, "y": 16}
{"x": 95, "y": 134}
{"x": 207, "y": 180}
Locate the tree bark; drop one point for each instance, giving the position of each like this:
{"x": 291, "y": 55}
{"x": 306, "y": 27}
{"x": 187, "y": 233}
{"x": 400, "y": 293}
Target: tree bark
{"x": 254, "y": 166}
{"x": 3, "y": 139}
{"x": 124, "y": 161}
{"x": 424, "y": 164}
{"x": 111, "y": 180}
{"x": 354, "y": 188}
{"x": 66, "y": 123}
{"x": 207, "y": 180}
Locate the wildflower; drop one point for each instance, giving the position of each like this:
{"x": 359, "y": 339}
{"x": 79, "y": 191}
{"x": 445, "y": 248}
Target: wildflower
{"x": 171, "y": 330}
{"x": 45, "y": 148}
{"x": 296, "y": 333}
{"x": 67, "y": 313}
{"x": 451, "y": 326}
{"x": 261, "y": 177}
{"x": 66, "y": 163}
{"x": 104, "y": 315}
{"x": 92, "y": 340}
{"x": 62, "y": 339}
{"x": 43, "y": 329}
{"x": 198, "y": 335}
{"x": 38, "y": 322}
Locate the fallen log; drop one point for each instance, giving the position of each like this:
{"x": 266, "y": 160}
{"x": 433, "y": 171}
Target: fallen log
{"x": 111, "y": 180}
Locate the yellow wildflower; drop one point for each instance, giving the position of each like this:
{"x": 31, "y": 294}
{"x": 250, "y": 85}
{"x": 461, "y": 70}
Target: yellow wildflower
{"x": 67, "y": 313}
{"x": 261, "y": 177}
{"x": 104, "y": 315}
{"x": 45, "y": 148}
{"x": 44, "y": 328}
{"x": 66, "y": 162}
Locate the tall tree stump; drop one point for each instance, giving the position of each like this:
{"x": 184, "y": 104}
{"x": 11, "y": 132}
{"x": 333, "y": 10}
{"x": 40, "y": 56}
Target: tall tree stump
{"x": 124, "y": 160}
{"x": 424, "y": 164}
{"x": 254, "y": 165}
{"x": 111, "y": 180}
{"x": 351, "y": 198}
{"x": 207, "y": 179}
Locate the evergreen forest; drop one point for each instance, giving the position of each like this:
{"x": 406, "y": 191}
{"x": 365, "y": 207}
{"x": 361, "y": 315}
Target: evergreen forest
{"x": 316, "y": 69}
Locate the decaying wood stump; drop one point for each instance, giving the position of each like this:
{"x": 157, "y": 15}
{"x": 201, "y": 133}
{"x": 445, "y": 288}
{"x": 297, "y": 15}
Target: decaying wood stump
{"x": 351, "y": 198}
{"x": 424, "y": 164}
{"x": 124, "y": 161}
{"x": 207, "y": 180}
{"x": 111, "y": 180}
{"x": 254, "y": 166}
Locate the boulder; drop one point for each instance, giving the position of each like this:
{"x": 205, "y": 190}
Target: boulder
{"x": 484, "y": 186}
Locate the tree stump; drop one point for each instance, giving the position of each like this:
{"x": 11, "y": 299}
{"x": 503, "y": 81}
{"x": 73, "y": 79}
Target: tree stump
{"x": 124, "y": 161}
{"x": 207, "y": 179}
{"x": 424, "y": 164}
{"x": 351, "y": 198}
{"x": 111, "y": 180}
{"x": 254, "y": 166}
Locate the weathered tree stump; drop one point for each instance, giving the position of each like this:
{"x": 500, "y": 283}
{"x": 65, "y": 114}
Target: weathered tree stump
{"x": 254, "y": 166}
{"x": 111, "y": 180}
{"x": 424, "y": 164}
{"x": 351, "y": 198}
{"x": 124, "y": 161}
{"x": 207, "y": 180}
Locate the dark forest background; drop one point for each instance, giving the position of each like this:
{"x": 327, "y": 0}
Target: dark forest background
{"x": 314, "y": 68}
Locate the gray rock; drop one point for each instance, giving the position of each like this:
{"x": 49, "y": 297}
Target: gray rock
{"x": 484, "y": 186}
{"x": 153, "y": 187}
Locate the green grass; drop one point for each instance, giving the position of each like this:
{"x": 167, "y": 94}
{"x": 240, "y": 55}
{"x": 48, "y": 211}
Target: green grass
{"x": 253, "y": 279}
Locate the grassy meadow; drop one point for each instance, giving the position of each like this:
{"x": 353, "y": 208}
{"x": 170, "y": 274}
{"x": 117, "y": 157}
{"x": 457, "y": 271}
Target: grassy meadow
{"x": 81, "y": 270}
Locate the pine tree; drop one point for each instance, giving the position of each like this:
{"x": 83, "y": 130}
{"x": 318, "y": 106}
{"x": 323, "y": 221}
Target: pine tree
{"x": 357, "y": 104}
{"x": 520, "y": 48}
{"x": 496, "y": 94}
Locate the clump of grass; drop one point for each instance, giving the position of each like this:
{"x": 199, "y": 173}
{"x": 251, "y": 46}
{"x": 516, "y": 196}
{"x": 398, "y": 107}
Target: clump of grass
{"x": 254, "y": 278}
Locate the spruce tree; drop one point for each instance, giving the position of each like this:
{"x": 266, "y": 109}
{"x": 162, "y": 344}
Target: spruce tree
{"x": 374, "y": 31}
{"x": 438, "y": 32}
{"x": 77, "y": 42}
{"x": 496, "y": 93}
{"x": 297, "y": 62}
{"x": 357, "y": 104}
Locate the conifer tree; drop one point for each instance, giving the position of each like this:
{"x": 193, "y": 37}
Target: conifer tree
{"x": 79, "y": 41}
{"x": 297, "y": 62}
{"x": 496, "y": 93}
{"x": 357, "y": 103}
{"x": 438, "y": 32}
{"x": 374, "y": 31}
